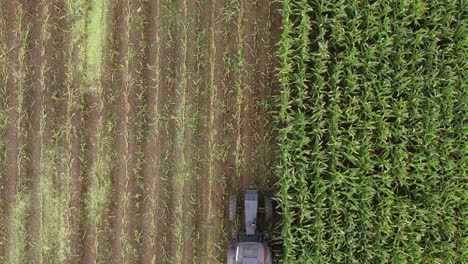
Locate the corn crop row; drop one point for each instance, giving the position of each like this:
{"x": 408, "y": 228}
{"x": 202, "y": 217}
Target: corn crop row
{"x": 3, "y": 122}
{"x": 371, "y": 131}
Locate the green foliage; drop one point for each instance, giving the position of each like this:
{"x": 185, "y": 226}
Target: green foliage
{"x": 371, "y": 130}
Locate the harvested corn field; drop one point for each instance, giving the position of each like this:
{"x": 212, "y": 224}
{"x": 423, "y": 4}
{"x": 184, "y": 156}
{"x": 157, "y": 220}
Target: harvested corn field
{"x": 123, "y": 122}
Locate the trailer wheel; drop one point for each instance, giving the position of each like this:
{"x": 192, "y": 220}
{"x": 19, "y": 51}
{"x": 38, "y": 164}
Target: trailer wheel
{"x": 232, "y": 207}
{"x": 268, "y": 209}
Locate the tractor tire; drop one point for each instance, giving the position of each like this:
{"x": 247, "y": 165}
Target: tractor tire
{"x": 232, "y": 207}
{"x": 268, "y": 209}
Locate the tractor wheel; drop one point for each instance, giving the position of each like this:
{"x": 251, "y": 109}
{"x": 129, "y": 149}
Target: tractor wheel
{"x": 268, "y": 209}
{"x": 232, "y": 207}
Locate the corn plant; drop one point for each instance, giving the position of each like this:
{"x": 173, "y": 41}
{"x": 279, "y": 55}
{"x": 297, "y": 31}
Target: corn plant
{"x": 371, "y": 143}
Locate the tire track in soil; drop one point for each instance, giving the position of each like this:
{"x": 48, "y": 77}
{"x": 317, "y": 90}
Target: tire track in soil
{"x": 97, "y": 234}
{"x": 141, "y": 125}
{"x": 172, "y": 166}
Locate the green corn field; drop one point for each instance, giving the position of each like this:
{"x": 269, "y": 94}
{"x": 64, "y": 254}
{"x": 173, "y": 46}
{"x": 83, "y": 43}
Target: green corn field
{"x": 372, "y": 132}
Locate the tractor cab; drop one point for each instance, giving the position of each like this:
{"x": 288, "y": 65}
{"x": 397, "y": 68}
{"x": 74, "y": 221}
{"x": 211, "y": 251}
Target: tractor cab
{"x": 250, "y": 246}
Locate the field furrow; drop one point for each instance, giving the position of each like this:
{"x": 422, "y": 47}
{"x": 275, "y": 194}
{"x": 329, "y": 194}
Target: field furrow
{"x": 215, "y": 177}
{"x": 152, "y": 144}
{"x": 3, "y": 124}
{"x": 15, "y": 205}
{"x": 92, "y": 40}
{"x": 71, "y": 163}
{"x": 45, "y": 219}
{"x": 182, "y": 177}
{"x": 124, "y": 173}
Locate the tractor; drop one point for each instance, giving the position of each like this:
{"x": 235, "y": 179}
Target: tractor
{"x": 250, "y": 246}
